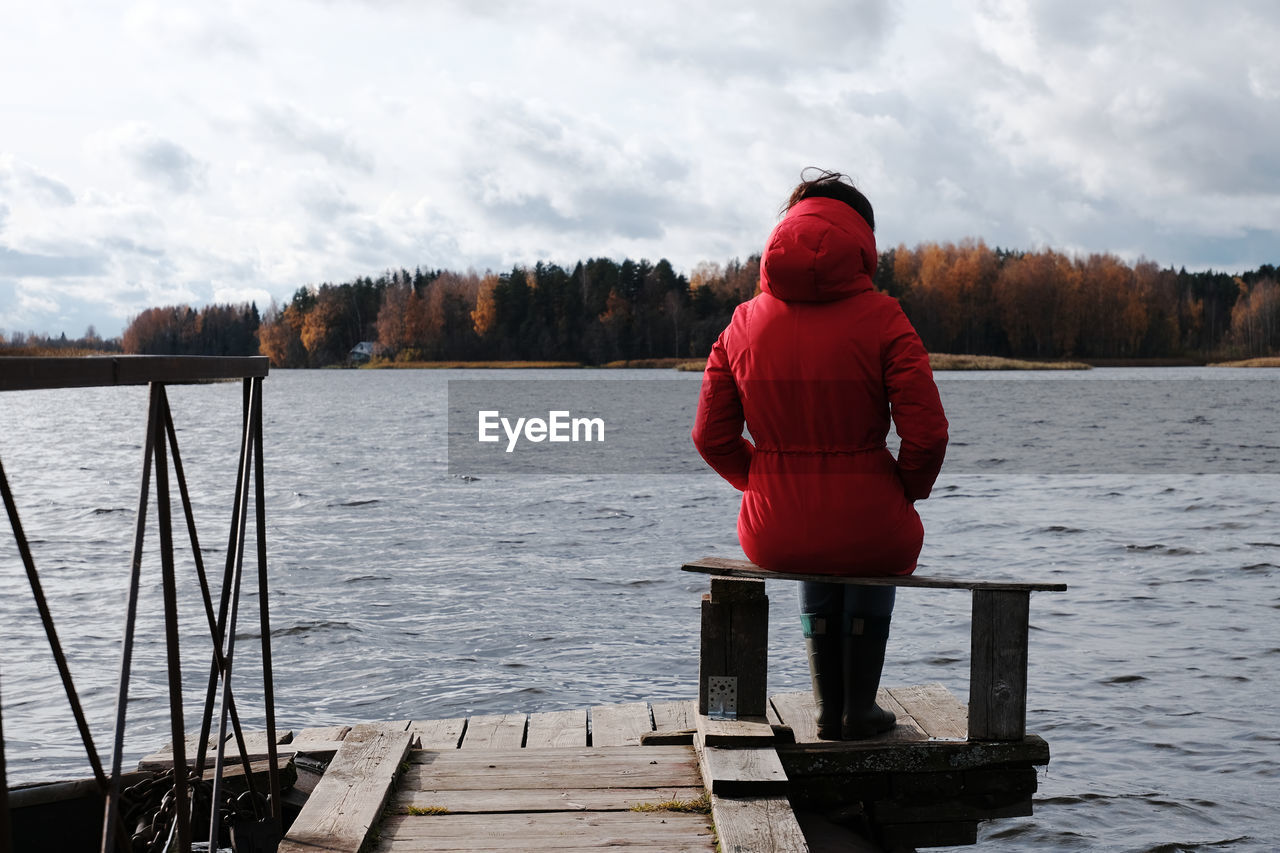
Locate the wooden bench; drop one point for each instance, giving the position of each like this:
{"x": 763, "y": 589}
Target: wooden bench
{"x": 735, "y": 640}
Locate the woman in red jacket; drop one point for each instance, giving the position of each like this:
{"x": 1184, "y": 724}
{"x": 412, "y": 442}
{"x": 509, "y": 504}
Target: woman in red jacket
{"x": 816, "y": 365}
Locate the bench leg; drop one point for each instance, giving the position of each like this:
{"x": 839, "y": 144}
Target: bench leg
{"x": 735, "y": 644}
{"x": 998, "y": 674}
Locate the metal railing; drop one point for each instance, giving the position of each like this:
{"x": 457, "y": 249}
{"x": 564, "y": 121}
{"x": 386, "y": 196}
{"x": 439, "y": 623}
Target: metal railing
{"x": 160, "y": 455}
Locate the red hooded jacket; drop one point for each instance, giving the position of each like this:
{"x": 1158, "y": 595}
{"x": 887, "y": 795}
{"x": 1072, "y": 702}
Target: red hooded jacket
{"x": 816, "y": 365}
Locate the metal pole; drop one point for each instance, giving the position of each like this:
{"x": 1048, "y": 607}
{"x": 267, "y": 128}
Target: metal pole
{"x": 111, "y": 811}
{"x": 181, "y": 806}
{"x": 6, "y": 834}
{"x": 236, "y": 558}
{"x": 268, "y": 682}
{"x": 24, "y": 550}
{"x": 206, "y": 719}
{"x": 203, "y": 580}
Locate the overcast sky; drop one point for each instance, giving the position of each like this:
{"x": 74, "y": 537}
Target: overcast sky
{"x": 180, "y": 152}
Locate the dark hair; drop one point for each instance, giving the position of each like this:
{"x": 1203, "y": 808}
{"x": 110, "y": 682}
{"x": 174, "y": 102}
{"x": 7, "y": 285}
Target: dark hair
{"x": 832, "y": 185}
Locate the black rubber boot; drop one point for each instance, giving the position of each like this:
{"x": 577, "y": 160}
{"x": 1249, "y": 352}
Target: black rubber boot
{"x": 864, "y": 641}
{"x": 825, "y": 651}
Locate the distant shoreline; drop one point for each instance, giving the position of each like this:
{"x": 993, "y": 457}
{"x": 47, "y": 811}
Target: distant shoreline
{"x": 938, "y": 361}
{"x": 1270, "y": 361}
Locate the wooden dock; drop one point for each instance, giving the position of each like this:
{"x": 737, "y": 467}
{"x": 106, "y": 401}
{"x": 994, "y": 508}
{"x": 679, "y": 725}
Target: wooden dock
{"x": 642, "y": 775}
{"x": 676, "y": 775}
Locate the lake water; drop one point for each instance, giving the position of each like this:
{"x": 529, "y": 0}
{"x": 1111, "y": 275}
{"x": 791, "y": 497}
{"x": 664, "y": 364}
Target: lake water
{"x": 412, "y": 583}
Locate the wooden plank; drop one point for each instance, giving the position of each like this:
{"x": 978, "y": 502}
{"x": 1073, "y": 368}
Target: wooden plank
{"x": 741, "y": 732}
{"x": 317, "y": 748}
{"x": 24, "y": 372}
{"x": 1003, "y": 780}
{"x": 554, "y": 799}
{"x": 757, "y": 825}
{"x": 552, "y": 756}
{"x": 260, "y": 767}
{"x": 907, "y": 729}
{"x": 542, "y": 845}
{"x": 320, "y": 734}
{"x": 319, "y": 741}
{"x": 482, "y": 828}
{"x": 255, "y": 744}
{"x": 667, "y": 738}
{"x": 342, "y": 809}
{"x": 735, "y": 643}
{"x": 837, "y": 792}
{"x": 750, "y": 772}
{"x": 935, "y": 709}
{"x": 740, "y": 772}
{"x": 548, "y": 831}
{"x": 713, "y": 649}
{"x": 552, "y": 729}
{"x": 674, "y": 716}
{"x": 797, "y": 711}
{"x": 255, "y": 741}
{"x": 497, "y": 779}
{"x": 734, "y": 590}
{"x": 494, "y": 731}
{"x": 620, "y": 725}
{"x": 604, "y": 767}
{"x": 860, "y": 757}
{"x": 438, "y": 734}
{"x": 964, "y": 808}
{"x": 998, "y": 671}
{"x": 743, "y": 569}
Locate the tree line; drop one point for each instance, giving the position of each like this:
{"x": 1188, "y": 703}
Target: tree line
{"x": 598, "y": 311}
{"x": 183, "y": 330}
{"x": 962, "y": 298}
{"x": 34, "y": 344}
{"x": 968, "y": 298}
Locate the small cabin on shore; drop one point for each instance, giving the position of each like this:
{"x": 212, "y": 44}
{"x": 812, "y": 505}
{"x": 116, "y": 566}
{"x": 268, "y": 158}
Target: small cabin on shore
{"x": 361, "y": 352}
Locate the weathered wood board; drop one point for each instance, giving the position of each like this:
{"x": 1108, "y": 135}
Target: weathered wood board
{"x": 552, "y": 729}
{"x": 494, "y": 731}
{"x": 757, "y": 825}
{"x": 737, "y": 733}
{"x": 608, "y": 767}
{"x": 665, "y": 831}
{"x": 753, "y": 771}
{"x": 729, "y": 567}
{"x": 349, "y": 798}
{"x": 619, "y": 725}
{"x": 548, "y": 799}
{"x": 438, "y": 734}
{"x": 674, "y": 716}
{"x": 998, "y": 671}
{"x": 935, "y": 709}
{"x": 255, "y": 745}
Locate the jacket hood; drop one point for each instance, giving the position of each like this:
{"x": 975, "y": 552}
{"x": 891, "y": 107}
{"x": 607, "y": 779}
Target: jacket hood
{"x": 821, "y": 251}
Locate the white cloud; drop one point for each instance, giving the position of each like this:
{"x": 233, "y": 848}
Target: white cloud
{"x": 19, "y": 180}
{"x": 294, "y": 132}
{"x": 151, "y": 157}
